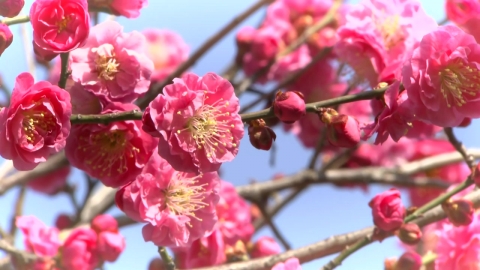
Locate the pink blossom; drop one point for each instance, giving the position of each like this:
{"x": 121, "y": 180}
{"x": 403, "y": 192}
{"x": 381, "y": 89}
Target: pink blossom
{"x": 104, "y": 223}
{"x": 178, "y": 207}
{"x": 379, "y": 35}
{"x": 52, "y": 182}
{"x": 59, "y": 26}
{"x": 6, "y": 37}
{"x": 167, "y": 50}
{"x": 128, "y": 8}
{"x": 265, "y": 246}
{"x": 197, "y": 122}
{"x": 343, "y": 131}
{"x": 440, "y": 77}
{"x": 289, "y": 106}
{"x": 112, "y": 64}
{"x": 79, "y": 251}
{"x": 465, "y": 14}
{"x": 11, "y": 8}
{"x": 83, "y": 101}
{"x": 110, "y": 245}
{"x": 459, "y": 247}
{"x": 387, "y": 210}
{"x": 36, "y": 124}
{"x": 206, "y": 251}
{"x": 113, "y": 153}
{"x": 39, "y": 239}
{"x": 290, "y": 264}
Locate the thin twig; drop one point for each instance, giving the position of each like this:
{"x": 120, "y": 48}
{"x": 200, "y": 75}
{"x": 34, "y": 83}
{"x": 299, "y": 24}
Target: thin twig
{"x": 105, "y": 118}
{"x": 167, "y": 260}
{"x": 64, "y": 70}
{"x": 17, "y": 211}
{"x": 273, "y": 227}
{"x": 16, "y": 20}
{"x": 460, "y": 148}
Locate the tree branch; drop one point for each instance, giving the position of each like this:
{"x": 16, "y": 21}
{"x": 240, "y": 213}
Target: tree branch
{"x": 105, "y": 118}
{"x": 16, "y": 20}
{"x": 460, "y": 148}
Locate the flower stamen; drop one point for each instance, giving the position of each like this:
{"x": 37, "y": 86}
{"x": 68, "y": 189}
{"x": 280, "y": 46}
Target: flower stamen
{"x": 457, "y": 81}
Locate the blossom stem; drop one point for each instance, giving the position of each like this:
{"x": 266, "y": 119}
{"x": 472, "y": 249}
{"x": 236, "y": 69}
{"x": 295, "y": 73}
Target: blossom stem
{"x": 460, "y": 148}
{"x": 105, "y": 118}
{"x": 167, "y": 260}
{"x": 64, "y": 73}
{"x": 16, "y": 20}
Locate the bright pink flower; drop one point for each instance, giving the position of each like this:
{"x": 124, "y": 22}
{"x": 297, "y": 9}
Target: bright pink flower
{"x": 110, "y": 245}
{"x": 36, "y": 124}
{"x": 59, "y": 26}
{"x": 6, "y": 37}
{"x": 11, "y": 8}
{"x": 265, "y": 246}
{"x": 290, "y": 264}
{"x": 79, "y": 251}
{"x": 52, "y": 182}
{"x": 112, "y": 64}
{"x": 289, "y": 106}
{"x": 465, "y": 14}
{"x": 39, "y": 239}
{"x": 104, "y": 223}
{"x": 197, "y": 122}
{"x": 441, "y": 77}
{"x": 113, "y": 153}
{"x": 387, "y": 210}
{"x": 127, "y": 8}
{"x": 206, "y": 251}
{"x": 234, "y": 219}
{"x": 379, "y": 35}
{"x": 179, "y": 207}
{"x": 83, "y": 101}
{"x": 459, "y": 247}
{"x": 167, "y": 50}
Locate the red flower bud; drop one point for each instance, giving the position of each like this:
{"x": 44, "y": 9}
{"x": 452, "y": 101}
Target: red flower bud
{"x": 266, "y": 43}
{"x": 63, "y": 221}
{"x": 261, "y": 136}
{"x": 289, "y": 106}
{"x": 6, "y": 37}
{"x": 410, "y": 234}
{"x": 156, "y": 264}
{"x": 11, "y": 8}
{"x": 104, "y": 223}
{"x": 244, "y": 41}
{"x": 342, "y": 130}
{"x": 409, "y": 261}
{"x": 265, "y": 246}
{"x": 459, "y": 212}
{"x": 387, "y": 210}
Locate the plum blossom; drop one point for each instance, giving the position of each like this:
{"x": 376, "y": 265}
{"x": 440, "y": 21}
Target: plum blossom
{"x": 128, "y": 8}
{"x": 167, "y": 50}
{"x": 290, "y": 264}
{"x": 265, "y": 246}
{"x": 441, "y": 77}
{"x": 115, "y": 153}
{"x": 59, "y": 26}
{"x": 112, "y": 64}
{"x": 196, "y": 120}
{"x": 465, "y": 14}
{"x": 387, "y": 210}
{"x": 11, "y": 8}
{"x": 206, "y": 251}
{"x": 6, "y": 37}
{"x": 36, "y": 124}
{"x": 79, "y": 251}
{"x": 178, "y": 207}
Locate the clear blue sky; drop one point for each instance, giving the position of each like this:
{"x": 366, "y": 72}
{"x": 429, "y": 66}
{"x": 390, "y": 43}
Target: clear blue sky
{"x": 320, "y": 212}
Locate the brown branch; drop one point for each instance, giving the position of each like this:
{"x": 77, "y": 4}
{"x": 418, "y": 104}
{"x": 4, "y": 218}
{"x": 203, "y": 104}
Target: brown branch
{"x": 156, "y": 89}
{"x": 105, "y": 118}
{"x": 25, "y": 256}
{"x": 18, "y": 211}
{"x": 273, "y": 227}
{"x": 460, "y": 148}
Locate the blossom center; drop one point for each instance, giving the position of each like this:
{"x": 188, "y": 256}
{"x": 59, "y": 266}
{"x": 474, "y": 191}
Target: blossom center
{"x": 389, "y": 29}
{"x": 457, "y": 81}
{"x": 37, "y": 123}
{"x": 107, "y": 67}
{"x": 62, "y": 24}
{"x": 108, "y": 151}
{"x": 184, "y": 196}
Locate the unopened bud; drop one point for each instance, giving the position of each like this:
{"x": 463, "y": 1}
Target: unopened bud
{"x": 459, "y": 212}
{"x": 265, "y": 246}
{"x": 156, "y": 264}
{"x": 11, "y": 8}
{"x": 63, "y": 221}
{"x": 266, "y": 43}
{"x": 237, "y": 253}
{"x": 6, "y": 37}
{"x": 410, "y": 233}
{"x": 409, "y": 261}
{"x": 289, "y": 106}
{"x": 342, "y": 130}
{"x": 244, "y": 41}
{"x": 389, "y": 263}
{"x": 104, "y": 223}
{"x": 261, "y": 136}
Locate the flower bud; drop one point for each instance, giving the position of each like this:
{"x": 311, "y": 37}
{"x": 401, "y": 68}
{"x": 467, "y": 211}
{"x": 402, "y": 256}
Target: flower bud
{"x": 409, "y": 261}
{"x": 110, "y": 245}
{"x": 266, "y": 43}
{"x": 459, "y": 212}
{"x": 265, "y": 246}
{"x": 237, "y": 253}
{"x": 342, "y": 130}
{"x": 261, "y": 136}
{"x": 410, "y": 234}
{"x": 289, "y": 106}
{"x": 156, "y": 264}
{"x": 6, "y": 37}
{"x": 11, "y": 8}
{"x": 104, "y": 223}
{"x": 244, "y": 41}
{"x": 63, "y": 221}
{"x": 387, "y": 210}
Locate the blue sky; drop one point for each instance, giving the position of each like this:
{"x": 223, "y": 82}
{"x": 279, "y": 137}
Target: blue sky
{"x": 320, "y": 212}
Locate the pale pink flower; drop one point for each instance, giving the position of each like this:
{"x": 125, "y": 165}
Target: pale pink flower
{"x": 6, "y": 37}
{"x": 206, "y": 251}
{"x": 441, "y": 77}
{"x": 52, "y": 182}
{"x": 178, "y": 207}
{"x": 11, "y": 8}
{"x": 113, "y": 153}
{"x": 39, "y": 239}
{"x": 79, "y": 251}
{"x": 167, "y": 50}
{"x": 234, "y": 219}
{"x": 459, "y": 247}
{"x": 379, "y": 35}
{"x": 110, "y": 245}
{"x": 290, "y": 264}
{"x": 265, "y": 246}
{"x": 197, "y": 122}
{"x": 128, "y": 8}
{"x": 59, "y": 26}
{"x": 112, "y": 64}
{"x": 36, "y": 124}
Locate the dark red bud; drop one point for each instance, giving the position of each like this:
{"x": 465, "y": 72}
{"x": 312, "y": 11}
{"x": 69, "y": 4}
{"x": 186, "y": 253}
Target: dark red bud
{"x": 459, "y": 212}
{"x": 410, "y": 233}
{"x": 289, "y": 106}
{"x": 261, "y": 136}
{"x": 409, "y": 261}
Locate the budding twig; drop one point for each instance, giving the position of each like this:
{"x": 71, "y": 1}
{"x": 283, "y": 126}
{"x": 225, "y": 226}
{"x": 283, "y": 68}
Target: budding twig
{"x": 18, "y": 210}
{"x": 273, "y": 227}
{"x": 105, "y": 118}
